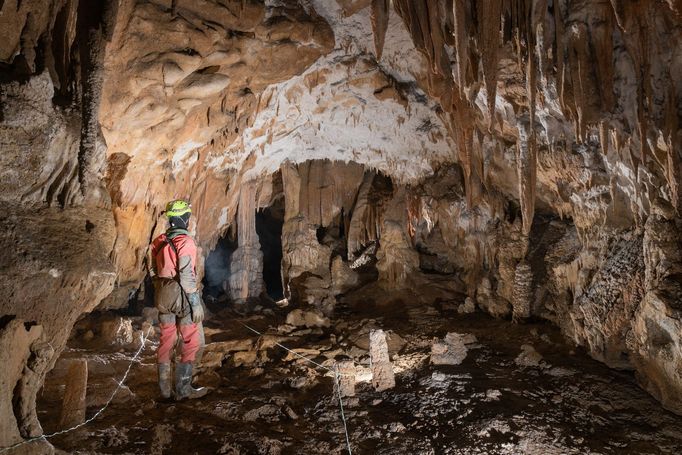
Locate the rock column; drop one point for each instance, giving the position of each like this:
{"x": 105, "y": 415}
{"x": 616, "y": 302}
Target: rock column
{"x": 382, "y": 369}
{"x": 73, "y": 406}
{"x": 347, "y": 377}
{"x": 246, "y": 273}
{"x": 523, "y": 291}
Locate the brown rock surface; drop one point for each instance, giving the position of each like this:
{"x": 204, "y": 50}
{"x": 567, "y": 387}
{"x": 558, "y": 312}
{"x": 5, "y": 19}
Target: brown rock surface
{"x": 73, "y": 406}
{"x": 523, "y": 155}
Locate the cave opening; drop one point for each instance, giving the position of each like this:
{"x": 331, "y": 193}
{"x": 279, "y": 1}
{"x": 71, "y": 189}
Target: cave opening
{"x": 269, "y": 223}
{"x": 217, "y": 267}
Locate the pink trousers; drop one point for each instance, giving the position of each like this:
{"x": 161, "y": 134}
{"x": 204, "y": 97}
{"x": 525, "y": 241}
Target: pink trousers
{"x": 191, "y": 341}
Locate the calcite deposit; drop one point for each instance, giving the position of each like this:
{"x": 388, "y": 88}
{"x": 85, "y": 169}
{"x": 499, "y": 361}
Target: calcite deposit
{"x": 519, "y": 158}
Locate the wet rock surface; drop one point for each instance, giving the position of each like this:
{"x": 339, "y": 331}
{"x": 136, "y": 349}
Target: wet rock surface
{"x": 490, "y": 403}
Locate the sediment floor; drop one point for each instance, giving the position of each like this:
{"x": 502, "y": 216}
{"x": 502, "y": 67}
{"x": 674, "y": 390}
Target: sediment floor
{"x": 544, "y": 398}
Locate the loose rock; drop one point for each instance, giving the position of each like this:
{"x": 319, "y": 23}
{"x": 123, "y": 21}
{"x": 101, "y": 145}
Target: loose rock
{"x": 450, "y": 351}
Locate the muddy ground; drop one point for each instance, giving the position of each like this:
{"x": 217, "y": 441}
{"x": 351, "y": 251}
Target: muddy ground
{"x": 495, "y": 402}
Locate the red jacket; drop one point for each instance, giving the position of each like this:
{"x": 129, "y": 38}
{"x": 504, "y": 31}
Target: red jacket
{"x": 164, "y": 261}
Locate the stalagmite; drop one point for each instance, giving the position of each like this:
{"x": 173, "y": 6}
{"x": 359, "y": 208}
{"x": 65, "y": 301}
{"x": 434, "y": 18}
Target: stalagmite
{"x": 383, "y": 377}
{"x": 73, "y": 405}
{"x": 246, "y": 271}
{"x": 346, "y": 371}
{"x": 523, "y": 291}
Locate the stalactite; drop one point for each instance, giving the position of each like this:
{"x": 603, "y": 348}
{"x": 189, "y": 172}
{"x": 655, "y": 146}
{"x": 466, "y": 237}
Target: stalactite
{"x": 461, "y": 43}
{"x": 580, "y": 64}
{"x": 246, "y": 213}
{"x": 528, "y": 152}
{"x": 601, "y": 36}
{"x": 379, "y": 18}
{"x": 560, "y": 53}
{"x": 489, "y": 22}
{"x": 441, "y": 60}
{"x": 526, "y": 170}
{"x": 672, "y": 136}
{"x": 604, "y": 137}
{"x": 633, "y": 17}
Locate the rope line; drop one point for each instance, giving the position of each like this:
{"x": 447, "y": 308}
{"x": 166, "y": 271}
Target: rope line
{"x": 120, "y": 384}
{"x": 335, "y": 372}
{"x": 97, "y": 414}
{"x": 287, "y": 349}
{"x": 343, "y": 415}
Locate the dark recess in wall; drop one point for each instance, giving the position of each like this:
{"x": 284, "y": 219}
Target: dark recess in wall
{"x": 269, "y": 224}
{"x": 217, "y": 267}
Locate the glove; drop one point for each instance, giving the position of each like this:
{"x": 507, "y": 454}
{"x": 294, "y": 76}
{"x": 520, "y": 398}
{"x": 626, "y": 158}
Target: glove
{"x": 196, "y": 306}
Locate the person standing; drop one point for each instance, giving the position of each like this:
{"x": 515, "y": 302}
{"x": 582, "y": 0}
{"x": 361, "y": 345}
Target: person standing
{"x": 174, "y": 256}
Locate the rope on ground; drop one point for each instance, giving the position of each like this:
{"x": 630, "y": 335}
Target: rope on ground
{"x": 120, "y": 384}
{"x": 335, "y": 372}
{"x": 343, "y": 415}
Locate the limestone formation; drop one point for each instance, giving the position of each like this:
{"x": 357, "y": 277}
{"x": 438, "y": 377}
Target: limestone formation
{"x": 528, "y": 357}
{"x": 346, "y": 371}
{"x": 117, "y": 331}
{"x": 246, "y": 270}
{"x": 310, "y": 319}
{"x": 523, "y": 157}
{"x": 383, "y": 377}
{"x": 522, "y": 297}
{"x": 449, "y": 351}
{"x": 73, "y": 406}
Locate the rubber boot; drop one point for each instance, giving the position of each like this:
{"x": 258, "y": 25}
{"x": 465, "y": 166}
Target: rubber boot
{"x": 183, "y": 383}
{"x": 165, "y": 380}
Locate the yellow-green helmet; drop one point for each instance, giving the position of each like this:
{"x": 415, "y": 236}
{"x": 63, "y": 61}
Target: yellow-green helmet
{"x": 178, "y": 208}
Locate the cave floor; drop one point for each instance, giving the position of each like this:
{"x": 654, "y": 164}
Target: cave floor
{"x": 490, "y": 404}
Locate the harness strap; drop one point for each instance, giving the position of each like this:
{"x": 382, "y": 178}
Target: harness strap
{"x": 183, "y": 294}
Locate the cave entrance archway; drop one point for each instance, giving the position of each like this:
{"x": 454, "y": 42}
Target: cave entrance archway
{"x": 269, "y": 223}
{"x": 217, "y": 266}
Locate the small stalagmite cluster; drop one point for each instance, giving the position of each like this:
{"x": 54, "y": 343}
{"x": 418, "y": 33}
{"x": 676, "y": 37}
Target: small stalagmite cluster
{"x": 519, "y": 158}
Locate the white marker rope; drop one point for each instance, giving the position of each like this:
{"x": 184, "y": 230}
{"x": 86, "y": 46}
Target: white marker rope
{"x": 335, "y": 372}
{"x": 97, "y": 414}
{"x": 343, "y": 415}
{"x": 120, "y": 383}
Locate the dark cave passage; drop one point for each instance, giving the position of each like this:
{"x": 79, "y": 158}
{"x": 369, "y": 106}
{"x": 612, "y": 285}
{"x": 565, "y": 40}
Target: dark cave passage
{"x": 217, "y": 267}
{"x": 269, "y": 222}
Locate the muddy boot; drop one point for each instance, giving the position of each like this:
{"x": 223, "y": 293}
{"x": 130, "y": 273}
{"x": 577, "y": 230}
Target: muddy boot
{"x": 183, "y": 383}
{"x": 165, "y": 380}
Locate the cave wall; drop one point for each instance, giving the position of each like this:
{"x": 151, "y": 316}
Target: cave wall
{"x": 572, "y": 109}
{"x": 522, "y": 153}
{"x": 101, "y": 122}
{"x": 57, "y": 228}
{"x": 171, "y": 107}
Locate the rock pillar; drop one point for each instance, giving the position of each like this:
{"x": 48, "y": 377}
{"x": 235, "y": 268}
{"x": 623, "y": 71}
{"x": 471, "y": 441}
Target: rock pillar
{"x": 73, "y": 406}
{"x": 305, "y": 262}
{"x": 246, "y": 271}
{"x": 523, "y": 291}
{"x": 347, "y": 378}
{"x": 397, "y": 260}
{"x": 382, "y": 369}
